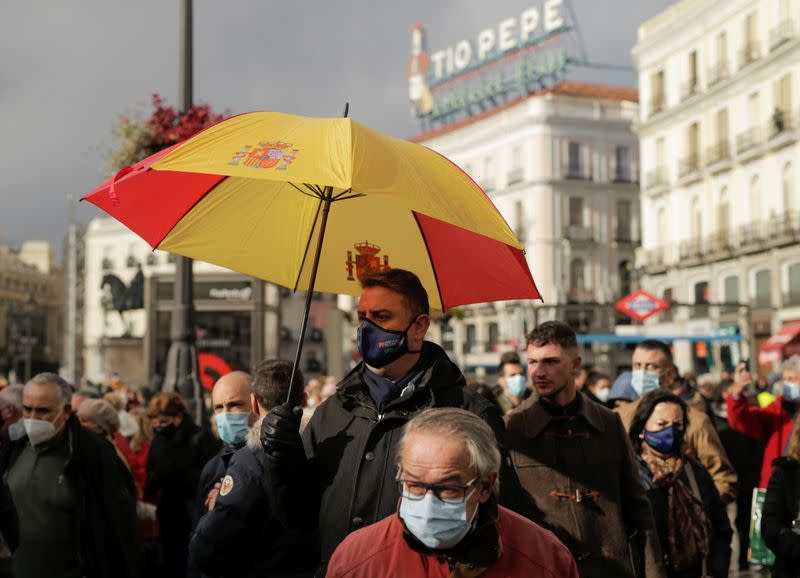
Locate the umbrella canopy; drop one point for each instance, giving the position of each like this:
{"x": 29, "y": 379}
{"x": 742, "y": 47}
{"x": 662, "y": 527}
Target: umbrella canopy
{"x": 254, "y": 194}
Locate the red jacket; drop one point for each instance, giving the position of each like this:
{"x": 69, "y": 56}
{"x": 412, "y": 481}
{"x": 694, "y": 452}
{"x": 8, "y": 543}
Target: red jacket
{"x": 771, "y": 424}
{"x": 380, "y": 550}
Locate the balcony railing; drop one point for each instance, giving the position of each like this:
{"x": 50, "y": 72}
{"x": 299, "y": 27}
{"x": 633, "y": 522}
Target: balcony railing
{"x": 750, "y": 53}
{"x": 688, "y": 164}
{"x": 656, "y": 105}
{"x": 718, "y": 152}
{"x": 516, "y": 175}
{"x": 690, "y": 249}
{"x": 576, "y": 295}
{"x": 781, "y": 33}
{"x": 624, "y": 236}
{"x": 623, "y": 175}
{"x": 718, "y": 72}
{"x": 748, "y": 139}
{"x": 698, "y": 311}
{"x": 577, "y": 172}
{"x": 655, "y": 260}
{"x": 579, "y": 233}
{"x": 689, "y": 89}
{"x": 655, "y": 178}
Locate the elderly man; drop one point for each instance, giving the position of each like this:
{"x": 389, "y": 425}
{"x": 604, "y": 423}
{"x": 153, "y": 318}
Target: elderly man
{"x": 653, "y": 368}
{"x": 11, "y": 414}
{"x": 448, "y": 522}
{"x": 239, "y": 518}
{"x": 230, "y": 400}
{"x": 772, "y": 425}
{"x": 75, "y": 498}
{"x": 345, "y": 479}
{"x": 574, "y": 459}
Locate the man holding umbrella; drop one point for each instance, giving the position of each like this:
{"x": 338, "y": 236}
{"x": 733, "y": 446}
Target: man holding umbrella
{"x": 345, "y": 478}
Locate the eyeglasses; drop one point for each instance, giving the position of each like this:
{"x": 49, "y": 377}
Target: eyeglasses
{"x": 453, "y": 493}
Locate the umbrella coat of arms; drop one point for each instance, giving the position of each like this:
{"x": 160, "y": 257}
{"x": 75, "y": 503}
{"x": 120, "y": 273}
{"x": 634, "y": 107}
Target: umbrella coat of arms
{"x": 367, "y": 261}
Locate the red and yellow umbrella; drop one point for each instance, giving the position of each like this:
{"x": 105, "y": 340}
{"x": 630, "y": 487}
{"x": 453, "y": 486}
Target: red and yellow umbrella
{"x": 258, "y": 193}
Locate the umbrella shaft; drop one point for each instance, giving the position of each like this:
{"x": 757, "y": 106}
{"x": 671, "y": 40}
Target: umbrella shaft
{"x": 326, "y": 207}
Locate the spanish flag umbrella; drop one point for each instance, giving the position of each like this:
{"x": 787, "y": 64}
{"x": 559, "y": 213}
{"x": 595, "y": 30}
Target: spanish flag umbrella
{"x": 313, "y": 204}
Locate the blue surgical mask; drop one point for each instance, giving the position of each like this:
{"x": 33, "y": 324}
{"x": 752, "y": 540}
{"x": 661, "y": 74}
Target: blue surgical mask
{"x": 666, "y": 441}
{"x": 643, "y": 382}
{"x": 602, "y": 394}
{"x": 791, "y": 391}
{"x": 378, "y": 346}
{"x": 437, "y": 524}
{"x": 516, "y": 385}
{"x": 232, "y": 427}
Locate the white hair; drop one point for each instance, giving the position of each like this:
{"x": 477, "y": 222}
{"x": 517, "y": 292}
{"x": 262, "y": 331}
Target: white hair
{"x": 484, "y": 457}
{"x": 12, "y": 395}
{"x": 47, "y": 378}
{"x": 792, "y": 364}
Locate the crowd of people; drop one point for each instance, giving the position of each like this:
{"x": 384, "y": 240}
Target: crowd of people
{"x": 403, "y": 468}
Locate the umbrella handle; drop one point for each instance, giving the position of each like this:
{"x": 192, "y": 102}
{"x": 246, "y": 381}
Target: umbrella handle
{"x": 326, "y": 207}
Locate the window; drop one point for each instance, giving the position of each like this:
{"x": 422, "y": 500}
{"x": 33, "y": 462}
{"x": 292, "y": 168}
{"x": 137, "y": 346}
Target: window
{"x": 519, "y": 220}
{"x": 625, "y": 278}
{"x": 575, "y": 166}
{"x": 515, "y": 174}
{"x": 788, "y": 190}
{"x": 722, "y": 56}
{"x": 755, "y": 198}
{"x": 663, "y": 233}
{"x": 692, "y": 82}
{"x": 667, "y": 295}
{"x": 731, "y": 288}
{"x": 793, "y": 278}
{"x": 782, "y": 95}
{"x": 471, "y": 337}
{"x": 721, "y": 151}
{"x": 577, "y": 283}
{"x": 657, "y": 92}
{"x": 750, "y": 50}
{"x": 494, "y": 336}
{"x": 753, "y": 114}
{"x": 723, "y": 219}
{"x": 693, "y": 139}
{"x": 697, "y": 219}
{"x": 576, "y": 211}
{"x": 701, "y": 293}
{"x": 624, "y": 220}
{"x": 763, "y": 292}
{"x": 622, "y": 155}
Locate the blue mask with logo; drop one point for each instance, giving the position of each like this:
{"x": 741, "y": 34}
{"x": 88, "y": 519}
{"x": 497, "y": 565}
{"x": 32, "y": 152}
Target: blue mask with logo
{"x": 437, "y": 524}
{"x": 378, "y": 346}
{"x": 665, "y": 441}
{"x": 232, "y": 427}
{"x": 791, "y": 391}
{"x": 643, "y": 382}
{"x": 516, "y": 385}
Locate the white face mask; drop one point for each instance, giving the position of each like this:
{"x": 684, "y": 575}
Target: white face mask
{"x": 40, "y": 430}
{"x": 602, "y": 394}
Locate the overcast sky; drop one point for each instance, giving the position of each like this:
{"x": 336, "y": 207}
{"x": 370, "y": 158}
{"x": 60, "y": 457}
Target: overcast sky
{"x": 69, "y": 68}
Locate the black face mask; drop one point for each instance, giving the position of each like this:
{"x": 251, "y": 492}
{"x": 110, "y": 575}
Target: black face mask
{"x": 167, "y": 431}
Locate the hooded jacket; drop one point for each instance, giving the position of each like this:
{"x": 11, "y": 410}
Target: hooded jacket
{"x": 351, "y": 467}
{"x": 109, "y": 536}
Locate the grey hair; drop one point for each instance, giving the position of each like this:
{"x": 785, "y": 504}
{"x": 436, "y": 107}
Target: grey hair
{"x": 47, "y": 378}
{"x": 792, "y": 364}
{"x": 484, "y": 457}
{"x": 706, "y": 380}
{"x": 12, "y": 395}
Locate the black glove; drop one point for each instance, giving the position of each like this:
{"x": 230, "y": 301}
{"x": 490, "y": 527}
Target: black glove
{"x": 280, "y": 431}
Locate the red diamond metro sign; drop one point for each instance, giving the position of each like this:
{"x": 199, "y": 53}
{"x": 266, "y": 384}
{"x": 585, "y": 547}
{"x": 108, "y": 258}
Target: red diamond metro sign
{"x": 640, "y": 305}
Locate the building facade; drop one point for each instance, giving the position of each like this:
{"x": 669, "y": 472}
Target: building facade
{"x": 562, "y": 168}
{"x": 720, "y": 92}
{"x": 238, "y": 320}
{"x": 30, "y": 310}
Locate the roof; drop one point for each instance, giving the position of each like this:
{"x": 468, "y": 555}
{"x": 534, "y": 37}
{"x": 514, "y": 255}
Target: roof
{"x": 566, "y": 88}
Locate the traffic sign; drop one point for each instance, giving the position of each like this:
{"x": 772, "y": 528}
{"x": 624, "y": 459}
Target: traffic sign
{"x": 640, "y": 305}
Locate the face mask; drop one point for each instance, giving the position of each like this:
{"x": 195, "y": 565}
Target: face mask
{"x": 40, "y": 430}
{"x": 436, "y": 523}
{"x": 643, "y": 382}
{"x": 791, "y": 391}
{"x": 665, "y": 441}
{"x": 602, "y": 394}
{"x": 516, "y": 385}
{"x": 166, "y": 431}
{"x": 379, "y": 347}
{"x": 232, "y": 427}
{"x": 16, "y": 430}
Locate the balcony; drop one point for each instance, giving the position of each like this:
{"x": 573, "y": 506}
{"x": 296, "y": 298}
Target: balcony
{"x": 698, "y": 311}
{"x": 689, "y": 89}
{"x": 690, "y": 252}
{"x": 688, "y": 165}
{"x": 624, "y": 236}
{"x": 580, "y": 233}
{"x": 655, "y": 178}
{"x": 717, "y": 153}
{"x": 718, "y": 73}
{"x": 752, "y": 237}
{"x": 655, "y": 261}
{"x": 577, "y": 172}
{"x": 719, "y": 245}
{"x": 516, "y": 175}
{"x": 750, "y": 53}
{"x": 576, "y": 295}
{"x": 781, "y": 33}
{"x": 748, "y": 140}
{"x": 656, "y": 105}
{"x": 781, "y": 122}
{"x": 784, "y": 229}
{"x": 623, "y": 175}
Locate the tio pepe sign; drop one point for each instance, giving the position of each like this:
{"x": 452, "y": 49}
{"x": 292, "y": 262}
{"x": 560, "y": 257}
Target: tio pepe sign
{"x": 640, "y": 305}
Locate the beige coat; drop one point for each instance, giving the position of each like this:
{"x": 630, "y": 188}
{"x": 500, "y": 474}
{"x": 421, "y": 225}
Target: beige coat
{"x": 702, "y": 443}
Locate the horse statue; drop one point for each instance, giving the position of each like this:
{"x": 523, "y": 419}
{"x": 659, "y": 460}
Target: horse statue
{"x": 125, "y": 297}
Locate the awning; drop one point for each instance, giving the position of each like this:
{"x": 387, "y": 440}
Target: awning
{"x": 783, "y": 344}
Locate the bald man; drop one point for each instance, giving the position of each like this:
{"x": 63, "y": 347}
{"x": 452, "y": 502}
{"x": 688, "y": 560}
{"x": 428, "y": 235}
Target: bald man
{"x": 230, "y": 400}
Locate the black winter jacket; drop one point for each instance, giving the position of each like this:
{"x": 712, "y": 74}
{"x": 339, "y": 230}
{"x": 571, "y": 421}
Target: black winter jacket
{"x": 781, "y": 506}
{"x": 109, "y": 534}
{"x": 350, "y": 448}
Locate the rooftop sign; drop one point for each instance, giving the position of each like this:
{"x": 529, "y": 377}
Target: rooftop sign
{"x": 520, "y": 55}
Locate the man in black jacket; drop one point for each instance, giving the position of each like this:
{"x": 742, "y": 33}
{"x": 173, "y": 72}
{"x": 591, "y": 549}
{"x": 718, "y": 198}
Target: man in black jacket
{"x": 348, "y": 466}
{"x": 76, "y": 499}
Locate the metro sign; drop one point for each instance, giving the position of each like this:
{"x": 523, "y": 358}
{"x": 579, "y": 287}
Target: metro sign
{"x": 640, "y": 305}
